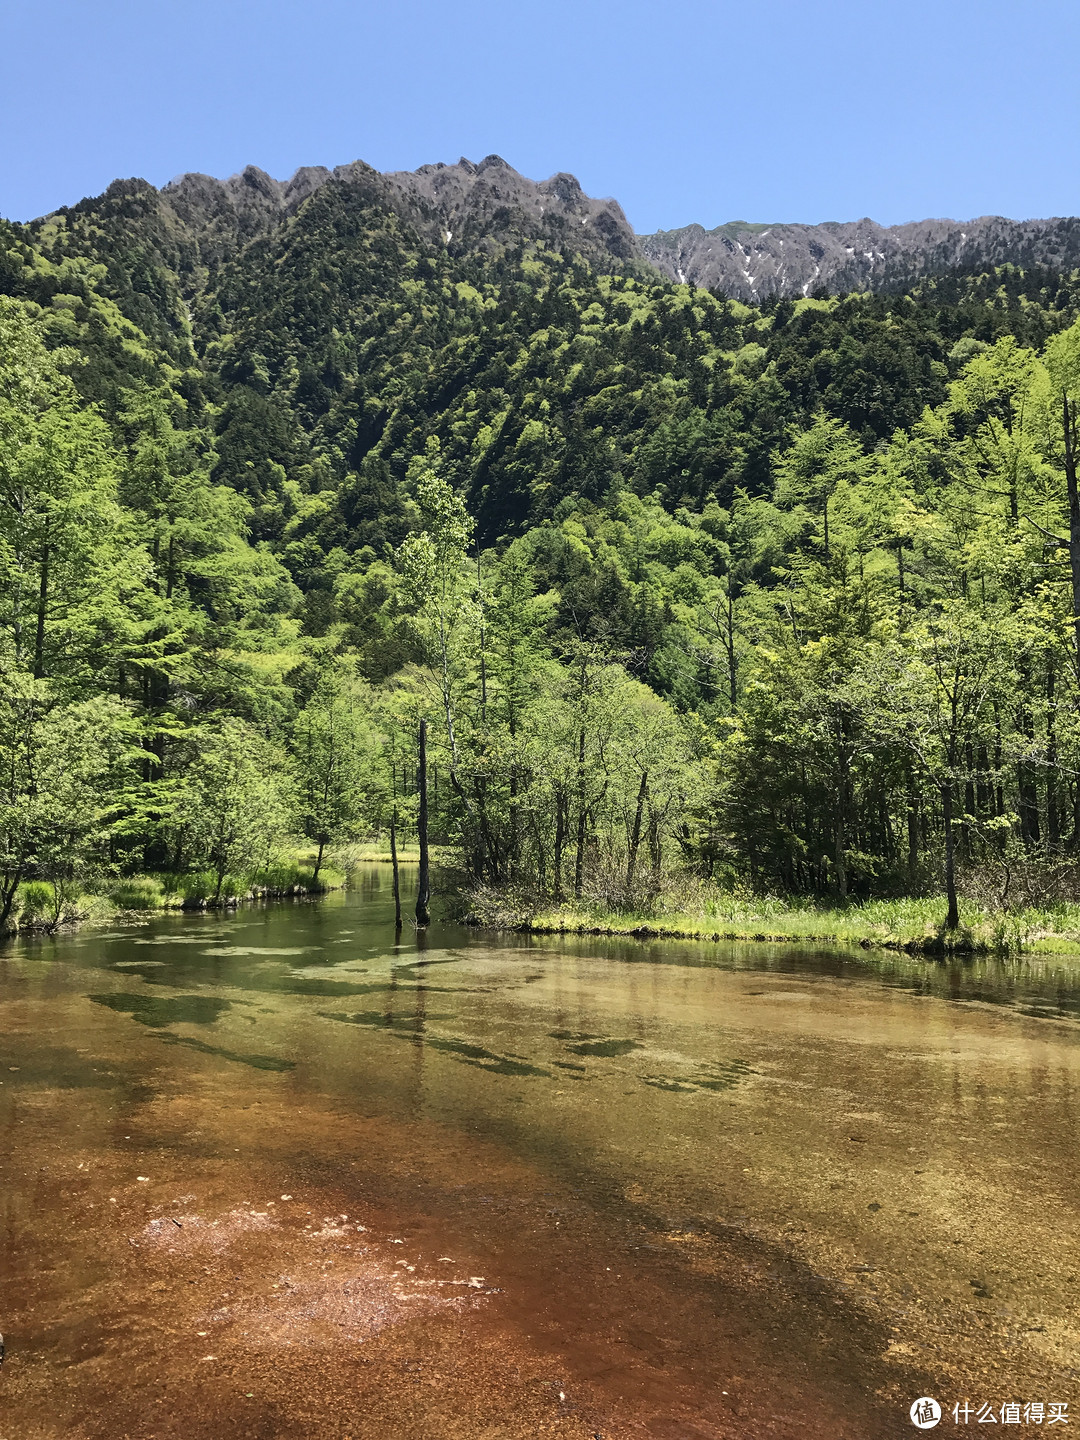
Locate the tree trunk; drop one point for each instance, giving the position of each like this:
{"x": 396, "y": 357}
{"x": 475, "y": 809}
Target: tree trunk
{"x": 423, "y": 892}
{"x": 635, "y": 834}
{"x": 1027, "y": 788}
{"x": 656, "y": 844}
{"x": 582, "y": 820}
{"x": 1053, "y": 816}
{"x": 42, "y": 610}
{"x": 394, "y": 865}
{"x": 7, "y": 899}
{"x": 513, "y": 846}
{"x": 952, "y": 919}
{"x": 729, "y": 645}
{"x": 560, "y": 842}
{"x": 843, "y": 808}
{"x": 318, "y": 862}
{"x": 1069, "y": 420}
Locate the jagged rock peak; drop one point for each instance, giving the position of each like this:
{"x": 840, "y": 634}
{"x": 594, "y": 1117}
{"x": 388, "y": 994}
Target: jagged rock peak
{"x": 751, "y": 262}
{"x": 465, "y": 202}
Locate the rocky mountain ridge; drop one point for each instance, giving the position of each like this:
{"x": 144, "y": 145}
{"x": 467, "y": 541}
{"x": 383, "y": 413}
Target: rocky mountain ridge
{"x": 467, "y": 207}
{"x": 462, "y": 206}
{"x": 751, "y": 262}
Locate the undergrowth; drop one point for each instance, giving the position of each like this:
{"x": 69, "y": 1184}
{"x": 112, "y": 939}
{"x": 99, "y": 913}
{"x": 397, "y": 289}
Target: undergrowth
{"x": 697, "y": 910}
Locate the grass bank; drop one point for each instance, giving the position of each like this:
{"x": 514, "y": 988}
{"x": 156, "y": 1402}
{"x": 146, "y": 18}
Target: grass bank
{"x": 915, "y": 925}
{"x": 41, "y": 906}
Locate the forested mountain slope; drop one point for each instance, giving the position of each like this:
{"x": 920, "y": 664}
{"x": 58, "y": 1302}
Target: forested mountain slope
{"x": 674, "y": 576}
{"x": 468, "y": 207}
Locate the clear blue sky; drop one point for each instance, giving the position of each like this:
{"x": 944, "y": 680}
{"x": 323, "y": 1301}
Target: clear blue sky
{"x": 703, "y": 110}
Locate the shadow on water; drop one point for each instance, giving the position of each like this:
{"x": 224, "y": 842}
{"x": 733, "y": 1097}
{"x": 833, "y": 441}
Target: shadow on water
{"x": 412, "y": 1028}
{"x": 256, "y": 1062}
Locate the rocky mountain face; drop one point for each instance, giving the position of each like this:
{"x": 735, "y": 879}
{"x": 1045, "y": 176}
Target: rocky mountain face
{"x": 464, "y": 206}
{"x": 751, "y": 262}
{"x": 481, "y": 207}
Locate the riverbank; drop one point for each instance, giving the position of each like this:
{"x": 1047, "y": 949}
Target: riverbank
{"x": 39, "y": 906}
{"x": 912, "y": 925}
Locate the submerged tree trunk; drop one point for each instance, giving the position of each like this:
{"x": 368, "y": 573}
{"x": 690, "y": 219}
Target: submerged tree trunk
{"x": 423, "y": 891}
{"x": 394, "y": 865}
{"x": 393, "y": 846}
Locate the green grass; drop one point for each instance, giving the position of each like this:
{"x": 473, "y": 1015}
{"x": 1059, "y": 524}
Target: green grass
{"x": 138, "y": 892}
{"x": 34, "y": 905}
{"x": 914, "y": 924}
{"x": 378, "y": 852}
{"x": 191, "y": 889}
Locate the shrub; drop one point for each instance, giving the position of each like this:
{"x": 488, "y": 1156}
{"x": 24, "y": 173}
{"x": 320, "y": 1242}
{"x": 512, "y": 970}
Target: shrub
{"x": 37, "y": 903}
{"x": 138, "y": 892}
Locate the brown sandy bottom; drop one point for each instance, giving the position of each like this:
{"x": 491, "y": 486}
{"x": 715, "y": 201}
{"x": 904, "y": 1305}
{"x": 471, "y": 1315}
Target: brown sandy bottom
{"x": 210, "y": 1269}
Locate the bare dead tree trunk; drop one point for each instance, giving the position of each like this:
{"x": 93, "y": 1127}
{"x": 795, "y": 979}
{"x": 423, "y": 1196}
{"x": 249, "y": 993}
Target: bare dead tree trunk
{"x": 1053, "y": 817}
{"x": 952, "y": 919}
{"x": 1069, "y": 421}
{"x": 582, "y": 820}
{"x": 423, "y": 892}
{"x": 393, "y": 849}
{"x": 635, "y": 834}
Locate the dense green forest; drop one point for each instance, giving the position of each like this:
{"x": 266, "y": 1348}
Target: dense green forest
{"x": 782, "y": 598}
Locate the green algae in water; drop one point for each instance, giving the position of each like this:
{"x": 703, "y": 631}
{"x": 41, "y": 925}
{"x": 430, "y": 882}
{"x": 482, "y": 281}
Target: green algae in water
{"x": 605, "y": 1049}
{"x": 380, "y": 1020}
{"x": 160, "y": 1010}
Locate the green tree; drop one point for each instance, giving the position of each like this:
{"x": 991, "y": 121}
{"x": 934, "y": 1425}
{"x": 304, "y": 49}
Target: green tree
{"x": 60, "y": 776}
{"x": 334, "y": 755}
{"x": 235, "y": 808}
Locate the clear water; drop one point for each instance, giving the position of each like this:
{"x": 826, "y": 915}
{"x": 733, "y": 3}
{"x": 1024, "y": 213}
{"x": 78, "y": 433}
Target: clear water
{"x": 704, "y": 1189}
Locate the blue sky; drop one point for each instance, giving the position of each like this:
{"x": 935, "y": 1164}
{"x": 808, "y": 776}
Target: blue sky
{"x": 761, "y": 110}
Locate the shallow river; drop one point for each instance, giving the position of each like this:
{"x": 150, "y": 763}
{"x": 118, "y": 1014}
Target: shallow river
{"x": 271, "y": 1174}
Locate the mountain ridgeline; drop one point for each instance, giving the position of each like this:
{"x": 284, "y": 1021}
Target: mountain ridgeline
{"x": 677, "y": 541}
{"x": 467, "y": 207}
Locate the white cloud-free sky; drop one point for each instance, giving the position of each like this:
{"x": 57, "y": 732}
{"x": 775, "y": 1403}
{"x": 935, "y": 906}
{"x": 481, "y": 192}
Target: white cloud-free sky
{"x": 705, "y": 110}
